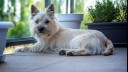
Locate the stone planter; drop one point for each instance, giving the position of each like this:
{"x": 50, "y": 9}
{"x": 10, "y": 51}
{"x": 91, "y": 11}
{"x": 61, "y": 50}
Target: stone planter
{"x": 115, "y": 31}
{"x": 70, "y": 20}
{"x": 3, "y": 32}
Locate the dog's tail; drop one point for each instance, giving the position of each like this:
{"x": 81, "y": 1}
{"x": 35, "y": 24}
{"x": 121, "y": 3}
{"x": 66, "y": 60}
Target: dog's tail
{"x": 109, "y": 48}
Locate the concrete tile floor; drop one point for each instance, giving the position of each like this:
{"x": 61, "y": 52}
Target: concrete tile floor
{"x": 39, "y": 62}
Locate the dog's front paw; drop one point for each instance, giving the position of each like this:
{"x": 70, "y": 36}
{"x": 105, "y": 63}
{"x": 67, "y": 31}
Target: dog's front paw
{"x": 21, "y": 49}
{"x": 62, "y": 52}
{"x": 69, "y": 54}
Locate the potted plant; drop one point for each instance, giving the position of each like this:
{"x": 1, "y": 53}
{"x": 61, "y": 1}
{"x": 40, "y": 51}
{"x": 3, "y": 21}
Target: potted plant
{"x": 3, "y": 33}
{"x": 70, "y": 20}
{"x": 103, "y": 16}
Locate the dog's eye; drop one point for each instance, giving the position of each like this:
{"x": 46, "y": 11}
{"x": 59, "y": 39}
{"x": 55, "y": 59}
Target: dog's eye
{"x": 37, "y": 21}
{"x": 47, "y": 21}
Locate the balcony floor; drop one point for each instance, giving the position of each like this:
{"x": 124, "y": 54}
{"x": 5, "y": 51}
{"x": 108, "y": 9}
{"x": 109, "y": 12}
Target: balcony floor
{"x": 39, "y": 62}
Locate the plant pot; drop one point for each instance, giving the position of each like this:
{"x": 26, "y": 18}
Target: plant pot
{"x": 115, "y": 31}
{"x": 70, "y": 20}
{"x": 3, "y": 33}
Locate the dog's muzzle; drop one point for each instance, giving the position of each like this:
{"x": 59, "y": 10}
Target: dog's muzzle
{"x": 41, "y": 29}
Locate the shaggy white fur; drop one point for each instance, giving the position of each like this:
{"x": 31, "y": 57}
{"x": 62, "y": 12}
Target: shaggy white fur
{"x": 51, "y": 37}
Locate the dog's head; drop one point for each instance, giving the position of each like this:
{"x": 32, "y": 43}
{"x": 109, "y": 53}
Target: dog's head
{"x": 43, "y": 23}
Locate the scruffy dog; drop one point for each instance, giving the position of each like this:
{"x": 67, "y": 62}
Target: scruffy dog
{"x": 51, "y": 37}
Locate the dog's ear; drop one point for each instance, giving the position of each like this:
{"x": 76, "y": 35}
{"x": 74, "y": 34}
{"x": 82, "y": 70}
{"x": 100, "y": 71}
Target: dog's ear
{"x": 50, "y": 10}
{"x": 34, "y": 10}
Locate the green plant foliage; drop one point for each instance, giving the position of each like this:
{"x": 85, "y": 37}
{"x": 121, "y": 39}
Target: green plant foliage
{"x": 122, "y": 5}
{"x": 40, "y": 5}
{"x": 1, "y": 9}
{"x": 86, "y": 19}
{"x": 79, "y": 6}
{"x": 79, "y": 9}
{"x": 57, "y": 4}
{"x": 21, "y": 28}
{"x": 105, "y": 11}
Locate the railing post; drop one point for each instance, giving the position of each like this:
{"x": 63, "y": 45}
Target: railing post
{"x": 67, "y": 6}
{"x": 71, "y": 6}
{"x": 47, "y": 3}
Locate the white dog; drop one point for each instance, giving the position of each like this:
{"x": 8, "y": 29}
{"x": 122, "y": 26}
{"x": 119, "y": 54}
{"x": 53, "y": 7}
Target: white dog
{"x": 51, "y": 37}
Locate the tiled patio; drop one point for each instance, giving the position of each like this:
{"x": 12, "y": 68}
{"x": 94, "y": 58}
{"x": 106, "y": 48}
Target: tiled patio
{"x": 39, "y": 62}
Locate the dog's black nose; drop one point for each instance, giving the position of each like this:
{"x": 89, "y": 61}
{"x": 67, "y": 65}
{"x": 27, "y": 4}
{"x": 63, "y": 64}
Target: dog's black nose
{"x": 40, "y": 29}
